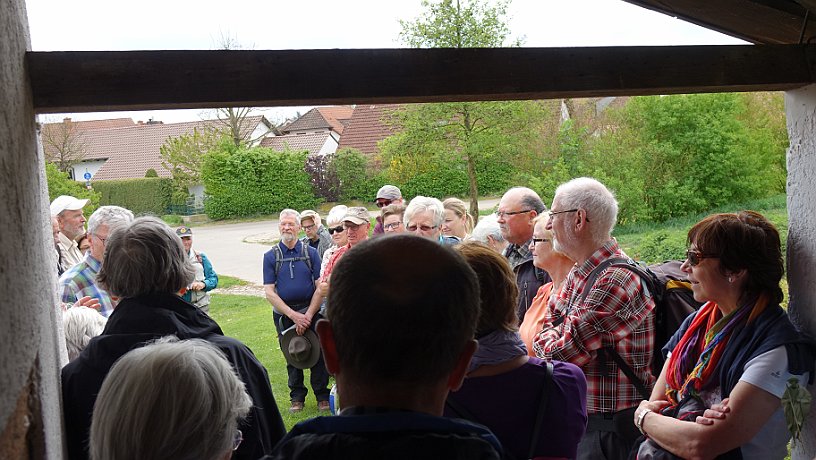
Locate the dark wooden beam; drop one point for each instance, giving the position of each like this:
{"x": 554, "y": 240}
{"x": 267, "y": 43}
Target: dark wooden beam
{"x": 140, "y": 80}
{"x": 755, "y": 21}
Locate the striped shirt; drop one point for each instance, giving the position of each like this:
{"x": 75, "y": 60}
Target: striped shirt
{"x": 615, "y": 313}
{"x": 80, "y": 281}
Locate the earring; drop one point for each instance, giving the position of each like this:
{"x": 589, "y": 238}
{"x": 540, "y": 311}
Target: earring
{"x": 730, "y": 279}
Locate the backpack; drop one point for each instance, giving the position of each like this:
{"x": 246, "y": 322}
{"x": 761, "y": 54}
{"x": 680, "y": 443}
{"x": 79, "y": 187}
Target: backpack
{"x": 279, "y": 260}
{"x": 674, "y": 301}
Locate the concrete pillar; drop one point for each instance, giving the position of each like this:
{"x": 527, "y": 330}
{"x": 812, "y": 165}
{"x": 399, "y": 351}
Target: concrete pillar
{"x": 30, "y": 353}
{"x": 800, "y": 107}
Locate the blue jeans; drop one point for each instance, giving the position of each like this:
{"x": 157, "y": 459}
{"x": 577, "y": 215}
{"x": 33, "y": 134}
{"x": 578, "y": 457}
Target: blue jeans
{"x": 319, "y": 377}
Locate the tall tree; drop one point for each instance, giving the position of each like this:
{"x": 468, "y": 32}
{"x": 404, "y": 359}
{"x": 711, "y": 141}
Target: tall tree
{"x": 182, "y": 156}
{"x": 63, "y": 143}
{"x": 469, "y": 130}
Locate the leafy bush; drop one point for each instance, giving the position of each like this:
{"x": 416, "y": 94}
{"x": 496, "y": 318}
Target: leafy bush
{"x": 355, "y": 177}
{"x": 150, "y": 195}
{"x": 323, "y": 177}
{"x": 151, "y": 173}
{"x": 250, "y": 181}
{"x": 60, "y": 184}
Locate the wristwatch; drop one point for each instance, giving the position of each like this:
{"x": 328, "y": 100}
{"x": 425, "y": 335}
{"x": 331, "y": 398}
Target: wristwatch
{"x": 639, "y": 421}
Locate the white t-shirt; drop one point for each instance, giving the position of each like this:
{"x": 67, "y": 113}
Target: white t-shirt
{"x": 769, "y": 372}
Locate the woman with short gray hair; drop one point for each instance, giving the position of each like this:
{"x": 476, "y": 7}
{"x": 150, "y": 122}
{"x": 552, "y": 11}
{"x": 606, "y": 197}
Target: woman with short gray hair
{"x": 169, "y": 400}
{"x": 146, "y": 266}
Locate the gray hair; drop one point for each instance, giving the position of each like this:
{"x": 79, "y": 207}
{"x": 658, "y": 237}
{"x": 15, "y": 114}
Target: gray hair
{"x": 530, "y": 199}
{"x": 112, "y": 216}
{"x": 145, "y": 257}
{"x": 423, "y": 204}
{"x": 81, "y": 325}
{"x": 598, "y": 201}
{"x": 336, "y": 215}
{"x": 290, "y": 212}
{"x": 487, "y": 226}
{"x": 169, "y": 399}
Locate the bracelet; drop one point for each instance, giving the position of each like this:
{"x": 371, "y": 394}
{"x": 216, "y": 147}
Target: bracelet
{"x": 639, "y": 421}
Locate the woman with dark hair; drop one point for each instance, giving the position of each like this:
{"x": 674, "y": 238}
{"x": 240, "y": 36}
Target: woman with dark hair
{"x": 536, "y": 409}
{"x": 737, "y": 356}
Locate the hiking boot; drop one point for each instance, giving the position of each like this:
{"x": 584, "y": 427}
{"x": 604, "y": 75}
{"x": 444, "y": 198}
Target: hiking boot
{"x": 323, "y": 406}
{"x": 297, "y": 406}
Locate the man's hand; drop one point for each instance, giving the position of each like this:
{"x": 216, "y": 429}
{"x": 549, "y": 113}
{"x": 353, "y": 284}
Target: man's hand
{"x": 88, "y": 301}
{"x": 654, "y": 406}
{"x": 302, "y": 322}
{"x": 197, "y": 286}
{"x": 715, "y": 412}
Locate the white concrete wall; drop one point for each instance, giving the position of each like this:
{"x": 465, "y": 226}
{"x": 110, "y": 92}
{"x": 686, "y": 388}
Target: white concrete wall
{"x": 330, "y": 146}
{"x": 30, "y": 360}
{"x": 800, "y": 106}
{"x": 91, "y": 166}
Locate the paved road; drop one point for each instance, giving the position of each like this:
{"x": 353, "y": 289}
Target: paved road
{"x": 237, "y": 249}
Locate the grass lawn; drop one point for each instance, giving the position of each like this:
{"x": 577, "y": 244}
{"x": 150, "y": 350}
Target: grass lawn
{"x": 226, "y": 282}
{"x": 249, "y": 319}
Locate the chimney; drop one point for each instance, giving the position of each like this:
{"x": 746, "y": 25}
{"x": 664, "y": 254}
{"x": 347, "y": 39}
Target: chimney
{"x": 66, "y": 120}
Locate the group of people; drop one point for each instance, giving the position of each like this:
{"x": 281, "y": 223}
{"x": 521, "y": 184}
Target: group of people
{"x": 499, "y": 340}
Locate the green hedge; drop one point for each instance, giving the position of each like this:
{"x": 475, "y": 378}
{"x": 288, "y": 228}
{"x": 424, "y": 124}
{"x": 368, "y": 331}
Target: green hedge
{"x": 142, "y": 196}
{"x": 60, "y": 184}
{"x": 253, "y": 181}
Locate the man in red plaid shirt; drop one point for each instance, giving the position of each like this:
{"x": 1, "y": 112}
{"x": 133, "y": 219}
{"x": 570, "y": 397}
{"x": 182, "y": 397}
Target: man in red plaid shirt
{"x": 613, "y": 315}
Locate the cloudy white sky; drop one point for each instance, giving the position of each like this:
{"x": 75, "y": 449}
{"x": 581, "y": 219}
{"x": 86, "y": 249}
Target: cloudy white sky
{"x": 58, "y": 25}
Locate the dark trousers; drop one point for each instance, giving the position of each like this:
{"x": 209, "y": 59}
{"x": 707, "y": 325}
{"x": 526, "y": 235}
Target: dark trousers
{"x": 608, "y": 437}
{"x": 319, "y": 377}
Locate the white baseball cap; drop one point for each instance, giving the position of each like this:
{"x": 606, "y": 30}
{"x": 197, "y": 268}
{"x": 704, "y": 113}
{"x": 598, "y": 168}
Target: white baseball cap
{"x": 66, "y": 202}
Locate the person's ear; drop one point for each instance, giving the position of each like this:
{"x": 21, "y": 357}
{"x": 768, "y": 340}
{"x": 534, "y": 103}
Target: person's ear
{"x": 326, "y": 335}
{"x": 533, "y": 214}
{"x": 460, "y": 371}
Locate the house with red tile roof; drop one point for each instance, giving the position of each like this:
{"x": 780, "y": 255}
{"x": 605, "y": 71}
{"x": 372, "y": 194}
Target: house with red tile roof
{"x": 368, "y": 125}
{"x": 320, "y": 119}
{"x": 320, "y": 143}
{"x": 116, "y": 150}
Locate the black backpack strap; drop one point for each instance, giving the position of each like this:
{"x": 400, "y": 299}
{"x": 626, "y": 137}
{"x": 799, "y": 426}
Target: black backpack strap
{"x": 627, "y": 371}
{"x": 632, "y": 266}
{"x": 542, "y": 408}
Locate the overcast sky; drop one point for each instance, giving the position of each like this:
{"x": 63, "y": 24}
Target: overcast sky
{"x": 310, "y": 24}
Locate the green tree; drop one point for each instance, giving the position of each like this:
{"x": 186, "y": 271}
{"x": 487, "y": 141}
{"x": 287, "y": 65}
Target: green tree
{"x": 60, "y": 184}
{"x": 182, "y": 157}
{"x": 464, "y": 136}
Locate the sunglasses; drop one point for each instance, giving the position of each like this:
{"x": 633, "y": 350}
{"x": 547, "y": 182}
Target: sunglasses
{"x": 338, "y": 229}
{"x": 695, "y": 257}
{"x": 424, "y": 228}
{"x": 384, "y": 203}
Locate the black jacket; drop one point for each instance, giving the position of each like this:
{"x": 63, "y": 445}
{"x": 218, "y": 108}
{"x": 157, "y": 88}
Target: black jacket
{"x": 139, "y": 320}
{"x": 392, "y": 435}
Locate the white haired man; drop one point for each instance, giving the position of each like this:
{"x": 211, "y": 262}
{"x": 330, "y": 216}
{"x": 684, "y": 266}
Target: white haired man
{"x": 589, "y": 325}
{"x": 70, "y": 219}
{"x": 80, "y": 280}
{"x": 515, "y": 213}
{"x": 487, "y": 231}
{"x": 424, "y": 216}
{"x": 290, "y": 270}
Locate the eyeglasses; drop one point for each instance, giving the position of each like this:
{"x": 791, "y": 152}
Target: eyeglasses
{"x": 424, "y": 228}
{"x": 338, "y": 229}
{"x": 695, "y": 257}
{"x": 236, "y": 441}
{"x": 384, "y": 203}
{"x": 540, "y": 240}
{"x": 501, "y": 214}
{"x": 309, "y": 227}
{"x": 392, "y": 225}
{"x": 553, "y": 213}
{"x": 103, "y": 240}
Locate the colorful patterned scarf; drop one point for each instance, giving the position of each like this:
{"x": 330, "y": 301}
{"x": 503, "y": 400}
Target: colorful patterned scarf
{"x": 696, "y": 358}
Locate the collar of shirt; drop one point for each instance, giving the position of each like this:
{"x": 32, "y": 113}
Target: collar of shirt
{"x": 295, "y": 248}
{"x": 94, "y": 264}
{"x": 609, "y": 249}
{"x": 517, "y": 254}
{"x": 66, "y": 242}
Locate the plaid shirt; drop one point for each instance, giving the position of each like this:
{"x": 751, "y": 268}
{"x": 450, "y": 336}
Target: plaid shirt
{"x": 80, "y": 280}
{"x": 614, "y": 314}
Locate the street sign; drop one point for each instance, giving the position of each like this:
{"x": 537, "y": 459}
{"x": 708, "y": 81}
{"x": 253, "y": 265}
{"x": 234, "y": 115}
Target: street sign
{"x": 87, "y": 175}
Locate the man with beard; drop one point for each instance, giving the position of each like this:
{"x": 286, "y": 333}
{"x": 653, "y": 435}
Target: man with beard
{"x": 290, "y": 269}
{"x": 517, "y": 209}
{"x": 595, "y": 326}
{"x": 67, "y": 210}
